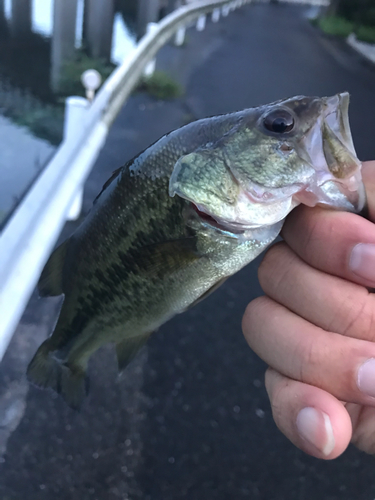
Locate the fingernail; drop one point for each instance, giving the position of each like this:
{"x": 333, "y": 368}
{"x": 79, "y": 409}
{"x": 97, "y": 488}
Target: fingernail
{"x": 366, "y": 377}
{"x": 362, "y": 261}
{"x": 315, "y": 427}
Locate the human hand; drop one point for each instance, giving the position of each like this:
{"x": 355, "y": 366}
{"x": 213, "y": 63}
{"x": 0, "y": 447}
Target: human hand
{"x": 316, "y": 328}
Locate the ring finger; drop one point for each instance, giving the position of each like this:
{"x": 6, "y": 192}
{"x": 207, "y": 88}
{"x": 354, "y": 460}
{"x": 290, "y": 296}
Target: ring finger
{"x": 342, "y": 366}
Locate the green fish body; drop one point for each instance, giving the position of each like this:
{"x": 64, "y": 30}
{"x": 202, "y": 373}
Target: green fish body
{"x": 172, "y": 224}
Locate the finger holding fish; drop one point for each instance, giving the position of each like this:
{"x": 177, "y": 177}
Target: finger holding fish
{"x": 307, "y": 353}
{"x": 316, "y": 327}
{"x": 337, "y": 243}
{"x": 311, "y": 418}
{"x": 329, "y": 302}
{"x": 317, "y": 422}
{"x": 318, "y": 372}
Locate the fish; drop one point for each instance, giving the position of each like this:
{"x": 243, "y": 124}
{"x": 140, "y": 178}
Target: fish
{"x": 171, "y": 225}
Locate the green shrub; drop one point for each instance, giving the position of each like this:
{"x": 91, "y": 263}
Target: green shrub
{"x": 70, "y": 81}
{"x": 161, "y": 86}
{"x": 46, "y": 122}
{"x": 338, "y": 26}
{"x": 366, "y": 33}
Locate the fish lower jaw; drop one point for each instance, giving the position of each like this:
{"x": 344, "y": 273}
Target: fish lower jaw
{"x": 224, "y": 226}
{"x": 342, "y": 194}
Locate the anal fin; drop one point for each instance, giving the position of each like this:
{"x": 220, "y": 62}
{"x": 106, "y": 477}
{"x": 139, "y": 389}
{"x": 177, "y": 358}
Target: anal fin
{"x": 128, "y": 348}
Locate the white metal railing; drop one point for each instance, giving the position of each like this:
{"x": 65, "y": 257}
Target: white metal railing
{"x": 29, "y": 237}
{"x": 317, "y": 3}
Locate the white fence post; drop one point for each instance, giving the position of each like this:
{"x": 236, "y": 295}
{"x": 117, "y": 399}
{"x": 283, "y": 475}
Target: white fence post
{"x": 225, "y": 10}
{"x": 180, "y": 37}
{"x": 150, "y": 68}
{"x": 215, "y": 15}
{"x": 201, "y": 23}
{"x": 75, "y": 113}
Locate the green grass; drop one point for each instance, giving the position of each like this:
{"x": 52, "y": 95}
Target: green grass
{"x": 161, "y": 86}
{"x": 338, "y": 26}
{"x": 366, "y": 34}
{"x": 43, "y": 120}
{"x": 46, "y": 122}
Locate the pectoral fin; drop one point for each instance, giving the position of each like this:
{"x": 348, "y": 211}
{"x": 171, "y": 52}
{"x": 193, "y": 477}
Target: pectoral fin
{"x": 128, "y": 348}
{"x": 208, "y": 292}
{"x": 168, "y": 256}
{"x": 50, "y": 282}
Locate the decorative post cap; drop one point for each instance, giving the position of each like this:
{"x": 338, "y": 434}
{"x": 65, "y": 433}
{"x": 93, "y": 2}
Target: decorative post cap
{"x": 91, "y": 80}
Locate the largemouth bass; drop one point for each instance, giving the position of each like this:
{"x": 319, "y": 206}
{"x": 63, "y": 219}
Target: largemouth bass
{"x": 173, "y": 223}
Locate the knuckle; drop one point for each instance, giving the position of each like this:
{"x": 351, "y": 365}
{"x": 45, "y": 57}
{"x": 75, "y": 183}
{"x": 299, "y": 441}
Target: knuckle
{"x": 269, "y": 261}
{"x": 253, "y": 310}
{"x": 368, "y": 319}
{"x": 329, "y": 365}
{"x": 277, "y": 390}
{"x": 276, "y": 263}
{"x": 308, "y": 354}
{"x": 358, "y": 317}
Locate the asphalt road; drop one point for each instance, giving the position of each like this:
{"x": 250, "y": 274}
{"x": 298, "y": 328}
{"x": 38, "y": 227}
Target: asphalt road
{"x": 190, "y": 418}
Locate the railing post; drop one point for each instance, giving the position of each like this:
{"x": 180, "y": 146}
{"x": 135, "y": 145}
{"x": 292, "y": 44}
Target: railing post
{"x": 201, "y": 23}
{"x": 75, "y": 112}
{"x": 215, "y": 15}
{"x": 150, "y": 68}
{"x": 180, "y": 36}
{"x": 225, "y": 10}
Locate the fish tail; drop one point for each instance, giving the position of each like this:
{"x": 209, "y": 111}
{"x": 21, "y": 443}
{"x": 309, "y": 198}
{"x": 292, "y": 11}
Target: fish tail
{"x": 66, "y": 379}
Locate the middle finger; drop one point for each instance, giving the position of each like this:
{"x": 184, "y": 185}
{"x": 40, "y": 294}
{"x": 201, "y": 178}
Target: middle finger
{"x": 327, "y": 301}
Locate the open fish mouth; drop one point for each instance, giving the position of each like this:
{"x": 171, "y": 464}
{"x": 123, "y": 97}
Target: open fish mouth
{"x": 216, "y": 222}
{"x": 328, "y": 147}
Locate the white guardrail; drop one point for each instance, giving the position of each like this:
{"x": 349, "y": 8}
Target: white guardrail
{"x": 31, "y": 233}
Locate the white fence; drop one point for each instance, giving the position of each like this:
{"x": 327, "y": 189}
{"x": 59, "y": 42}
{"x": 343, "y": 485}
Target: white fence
{"x": 31, "y": 233}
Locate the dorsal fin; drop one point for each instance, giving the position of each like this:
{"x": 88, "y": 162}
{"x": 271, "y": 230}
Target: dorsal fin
{"x": 50, "y": 282}
{"x": 115, "y": 174}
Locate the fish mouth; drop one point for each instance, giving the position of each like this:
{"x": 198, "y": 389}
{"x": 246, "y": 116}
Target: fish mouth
{"x": 328, "y": 148}
{"x": 218, "y": 223}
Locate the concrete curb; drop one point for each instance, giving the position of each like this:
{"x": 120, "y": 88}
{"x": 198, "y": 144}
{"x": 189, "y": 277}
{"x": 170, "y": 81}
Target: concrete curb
{"x": 365, "y": 49}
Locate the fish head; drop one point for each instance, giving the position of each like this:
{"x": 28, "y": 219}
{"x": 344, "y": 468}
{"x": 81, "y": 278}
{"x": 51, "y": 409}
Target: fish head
{"x": 297, "y": 150}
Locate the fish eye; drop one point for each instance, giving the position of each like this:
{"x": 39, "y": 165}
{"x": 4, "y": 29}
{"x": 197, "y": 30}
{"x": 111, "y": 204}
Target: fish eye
{"x": 279, "y": 121}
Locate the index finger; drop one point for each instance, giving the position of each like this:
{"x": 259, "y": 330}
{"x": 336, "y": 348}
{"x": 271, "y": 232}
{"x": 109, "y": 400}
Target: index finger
{"x": 338, "y": 243}
{"x": 368, "y": 174}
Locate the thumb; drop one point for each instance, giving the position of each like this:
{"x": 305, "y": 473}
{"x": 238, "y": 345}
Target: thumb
{"x": 368, "y": 174}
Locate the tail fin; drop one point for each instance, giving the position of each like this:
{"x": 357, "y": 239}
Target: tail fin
{"x": 47, "y": 371}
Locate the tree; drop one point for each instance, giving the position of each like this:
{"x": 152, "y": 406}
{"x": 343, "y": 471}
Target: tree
{"x": 359, "y": 11}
